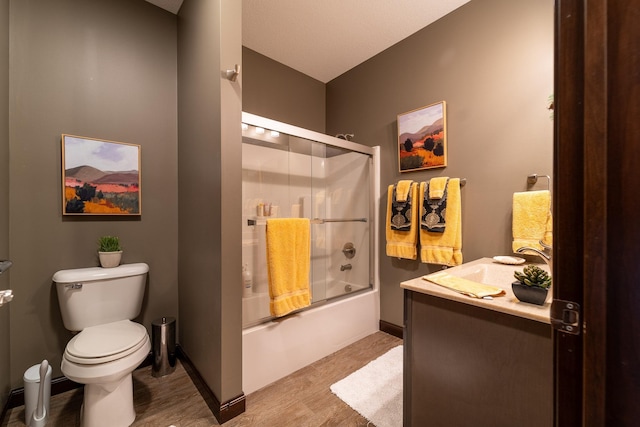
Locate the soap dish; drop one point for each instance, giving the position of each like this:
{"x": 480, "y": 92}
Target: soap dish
{"x": 511, "y": 260}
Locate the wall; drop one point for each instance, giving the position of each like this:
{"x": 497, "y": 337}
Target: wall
{"x": 273, "y": 90}
{"x": 210, "y": 166}
{"x": 4, "y": 195}
{"x": 492, "y": 62}
{"x": 98, "y": 69}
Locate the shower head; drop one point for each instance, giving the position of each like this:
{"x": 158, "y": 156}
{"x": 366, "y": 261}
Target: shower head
{"x": 345, "y": 136}
{"x": 4, "y": 265}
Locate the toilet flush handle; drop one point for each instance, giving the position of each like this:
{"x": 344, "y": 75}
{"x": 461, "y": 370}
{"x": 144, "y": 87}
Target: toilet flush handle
{"x": 73, "y": 286}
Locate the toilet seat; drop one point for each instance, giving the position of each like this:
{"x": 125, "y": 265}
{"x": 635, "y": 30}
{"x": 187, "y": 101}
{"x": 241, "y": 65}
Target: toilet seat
{"x": 105, "y": 343}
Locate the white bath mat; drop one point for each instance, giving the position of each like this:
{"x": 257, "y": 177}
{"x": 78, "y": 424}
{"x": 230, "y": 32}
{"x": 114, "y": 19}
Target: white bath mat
{"x": 375, "y": 390}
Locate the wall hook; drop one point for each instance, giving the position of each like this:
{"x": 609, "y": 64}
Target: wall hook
{"x": 232, "y": 74}
{"x": 4, "y": 265}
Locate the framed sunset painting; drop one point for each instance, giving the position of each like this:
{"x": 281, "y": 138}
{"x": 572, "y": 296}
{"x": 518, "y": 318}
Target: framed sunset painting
{"x": 100, "y": 177}
{"x": 422, "y": 138}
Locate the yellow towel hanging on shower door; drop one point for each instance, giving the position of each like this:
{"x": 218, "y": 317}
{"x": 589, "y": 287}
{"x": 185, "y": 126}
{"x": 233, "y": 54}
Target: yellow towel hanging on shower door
{"x": 288, "y": 263}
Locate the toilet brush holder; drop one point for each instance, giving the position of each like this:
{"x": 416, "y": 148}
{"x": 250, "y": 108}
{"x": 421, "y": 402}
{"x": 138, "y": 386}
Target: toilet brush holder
{"x": 37, "y": 394}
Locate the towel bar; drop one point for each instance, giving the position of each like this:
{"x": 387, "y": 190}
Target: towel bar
{"x": 313, "y": 221}
{"x": 322, "y": 221}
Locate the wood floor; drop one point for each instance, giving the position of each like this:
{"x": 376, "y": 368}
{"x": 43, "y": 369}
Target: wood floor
{"x": 301, "y": 399}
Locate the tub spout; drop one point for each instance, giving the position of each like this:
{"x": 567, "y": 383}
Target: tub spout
{"x": 344, "y": 267}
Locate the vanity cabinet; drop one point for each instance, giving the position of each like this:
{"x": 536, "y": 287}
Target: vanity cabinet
{"x": 471, "y": 365}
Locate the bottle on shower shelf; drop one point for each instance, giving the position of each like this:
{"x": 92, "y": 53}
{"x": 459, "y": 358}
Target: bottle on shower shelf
{"x": 247, "y": 282}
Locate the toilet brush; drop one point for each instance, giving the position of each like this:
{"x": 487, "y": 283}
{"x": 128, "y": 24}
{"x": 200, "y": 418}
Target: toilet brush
{"x": 39, "y": 417}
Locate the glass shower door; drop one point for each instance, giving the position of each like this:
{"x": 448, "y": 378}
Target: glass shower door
{"x": 289, "y": 176}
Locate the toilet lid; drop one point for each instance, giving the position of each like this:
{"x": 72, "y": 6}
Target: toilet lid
{"x": 102, "y": 343}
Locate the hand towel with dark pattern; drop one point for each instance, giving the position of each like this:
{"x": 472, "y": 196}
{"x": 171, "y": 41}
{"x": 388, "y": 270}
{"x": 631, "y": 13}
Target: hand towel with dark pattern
{"x": 401, "y": 206}
{"x": 433, "y": 214}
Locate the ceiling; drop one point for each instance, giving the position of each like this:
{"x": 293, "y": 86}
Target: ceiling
{"x": 325, "y": 38}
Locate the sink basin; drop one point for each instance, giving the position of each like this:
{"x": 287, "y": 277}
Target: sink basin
{"x": 489, "y": 272}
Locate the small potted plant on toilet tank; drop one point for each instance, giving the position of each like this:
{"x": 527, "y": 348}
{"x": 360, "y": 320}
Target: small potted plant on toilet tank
{"x": 109, "y": 251}
{"x": 532, "y": 285}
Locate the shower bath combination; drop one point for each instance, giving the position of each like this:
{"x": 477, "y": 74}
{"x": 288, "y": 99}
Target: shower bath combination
{"x": 334, "y": 183}
{"x": 314, "y": 176}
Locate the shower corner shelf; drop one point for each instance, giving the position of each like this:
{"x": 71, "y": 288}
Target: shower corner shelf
{"x": 256, "y": 221}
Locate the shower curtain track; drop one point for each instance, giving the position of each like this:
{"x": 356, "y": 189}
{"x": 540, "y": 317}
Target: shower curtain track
{"x": 313, "y": 221}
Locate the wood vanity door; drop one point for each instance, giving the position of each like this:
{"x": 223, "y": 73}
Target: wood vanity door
{"x": 470, "y": 366}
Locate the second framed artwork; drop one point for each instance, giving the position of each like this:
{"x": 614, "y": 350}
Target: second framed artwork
{"x": 100, "y": 177}
{"x": 422, "y": 138}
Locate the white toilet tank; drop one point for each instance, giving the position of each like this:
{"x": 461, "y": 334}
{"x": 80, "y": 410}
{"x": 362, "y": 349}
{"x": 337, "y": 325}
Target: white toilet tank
{"x": 95, "y": 296}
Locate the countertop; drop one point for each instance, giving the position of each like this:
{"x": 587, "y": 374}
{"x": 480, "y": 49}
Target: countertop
{"x": 487, "y": 271}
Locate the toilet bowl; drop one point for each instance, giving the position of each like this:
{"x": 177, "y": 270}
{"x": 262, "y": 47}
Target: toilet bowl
{"x": 103, "y": 358}
{"x": 99, "y": 303}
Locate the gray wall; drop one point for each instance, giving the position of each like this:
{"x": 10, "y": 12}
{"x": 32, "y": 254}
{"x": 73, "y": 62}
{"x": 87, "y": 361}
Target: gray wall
{"x": 4, "y": 195}
{"x": 271, "y": 89}
{"x": 492, "y": 62}
{"x": 104, "y": 69}
{"x": 210, "y": 166}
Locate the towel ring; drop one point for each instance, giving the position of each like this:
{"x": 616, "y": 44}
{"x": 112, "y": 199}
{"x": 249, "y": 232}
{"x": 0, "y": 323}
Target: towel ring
{"x": 533, "y": 178}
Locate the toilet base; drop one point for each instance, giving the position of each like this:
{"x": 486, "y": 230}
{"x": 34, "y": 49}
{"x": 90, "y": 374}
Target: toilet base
{"x": 109, "y": 405}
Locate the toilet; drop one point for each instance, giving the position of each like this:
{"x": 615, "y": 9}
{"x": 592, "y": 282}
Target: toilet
{"x": 99, "y": 304}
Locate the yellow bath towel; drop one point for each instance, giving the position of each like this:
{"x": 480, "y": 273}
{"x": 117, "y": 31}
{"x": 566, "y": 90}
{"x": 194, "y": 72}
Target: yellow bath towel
{"x": 400, "y": 243}
{"x": 288, "y": 260}
{"x": 402, "y": 190}
{"x": 463, "y": 286}
{"x": 444, "y": 248}
{"x": 436, "y": 187}
{"x": 532, "y": 219}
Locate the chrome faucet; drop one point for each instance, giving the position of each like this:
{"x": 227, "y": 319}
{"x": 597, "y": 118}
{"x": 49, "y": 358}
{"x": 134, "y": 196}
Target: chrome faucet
{"x": 344, "y": 267}
{"x": 547, "y": 257}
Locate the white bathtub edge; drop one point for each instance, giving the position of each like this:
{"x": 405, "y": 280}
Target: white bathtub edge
{"x": 276, "y": 349}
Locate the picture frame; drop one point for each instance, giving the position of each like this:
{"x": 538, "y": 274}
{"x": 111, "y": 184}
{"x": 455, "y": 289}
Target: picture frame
{"x": 100, "y": 177}
{"x": 422, "y": 138}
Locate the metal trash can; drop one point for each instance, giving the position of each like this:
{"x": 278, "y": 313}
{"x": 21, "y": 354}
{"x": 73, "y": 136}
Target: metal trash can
{"x": 163, "y": 337}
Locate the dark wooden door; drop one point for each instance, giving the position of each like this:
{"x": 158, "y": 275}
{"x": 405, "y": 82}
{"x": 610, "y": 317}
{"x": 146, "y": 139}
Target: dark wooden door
{"x": 597, "y": 211}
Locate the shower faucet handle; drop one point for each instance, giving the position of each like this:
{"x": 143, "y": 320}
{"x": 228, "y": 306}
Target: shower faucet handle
{"x": 349, "y": 250}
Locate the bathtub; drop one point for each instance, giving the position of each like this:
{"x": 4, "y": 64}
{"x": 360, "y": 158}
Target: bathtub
{"x": 255, "y": 308}
{"x": 275, "y": 349}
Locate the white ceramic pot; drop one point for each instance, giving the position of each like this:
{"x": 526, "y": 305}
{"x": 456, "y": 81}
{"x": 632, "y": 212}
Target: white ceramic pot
{"x": 110, "y": 259}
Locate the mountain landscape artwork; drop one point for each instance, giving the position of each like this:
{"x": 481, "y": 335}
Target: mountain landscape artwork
{"x": 100, "y": 177}
{"x": 422, "y": 142}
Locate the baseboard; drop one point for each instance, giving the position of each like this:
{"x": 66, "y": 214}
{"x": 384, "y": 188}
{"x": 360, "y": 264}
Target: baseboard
{"x": 391, "y": 329}
{"x": 58, "y": 385}
{"x": 222, "y": 411}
